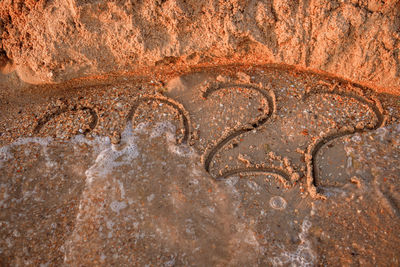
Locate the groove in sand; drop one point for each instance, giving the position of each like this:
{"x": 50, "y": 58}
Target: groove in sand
{"x": 172, "y": 103}
{"x": 47, "y": 117}
{"x": 284, "y": 177}
{"x": 313, "y": 149}
{"x": 268, "y": 95}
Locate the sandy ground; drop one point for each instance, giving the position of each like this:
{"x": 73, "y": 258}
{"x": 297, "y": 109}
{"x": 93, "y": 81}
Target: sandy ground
{"x": 229, "y": 165}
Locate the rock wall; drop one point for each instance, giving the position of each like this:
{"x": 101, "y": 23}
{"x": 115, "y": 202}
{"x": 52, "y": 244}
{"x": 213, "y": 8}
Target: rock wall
{"x": 56, "y": 40}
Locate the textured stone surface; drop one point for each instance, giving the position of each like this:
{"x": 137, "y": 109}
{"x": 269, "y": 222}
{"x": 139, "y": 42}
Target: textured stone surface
{"x": 53, "y": 41}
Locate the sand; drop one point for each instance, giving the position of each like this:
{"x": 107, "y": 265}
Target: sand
{"x": 199, "y": 133}
{"x": 55, "y": 41}
{"x": 228, "y": 165}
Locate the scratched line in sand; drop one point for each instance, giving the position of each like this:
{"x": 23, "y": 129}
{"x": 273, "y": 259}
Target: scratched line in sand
{"x": 312, "y": 172}
{"x": 172, "y": 103}
{"x": 269, "y": 95}
{"x": 66, "y": 108}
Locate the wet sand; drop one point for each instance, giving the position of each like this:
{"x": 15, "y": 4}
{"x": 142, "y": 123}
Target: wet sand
{"x": 228, "y": 165}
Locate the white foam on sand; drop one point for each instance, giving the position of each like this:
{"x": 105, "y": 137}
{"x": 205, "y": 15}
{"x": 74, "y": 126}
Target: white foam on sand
{"x": 5, "y": 151}
{"x": 102, "y": 182}
{"x": 168, "y": 129}
{"x": 97, "y": 144}
{"x": 303, "y": 255}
